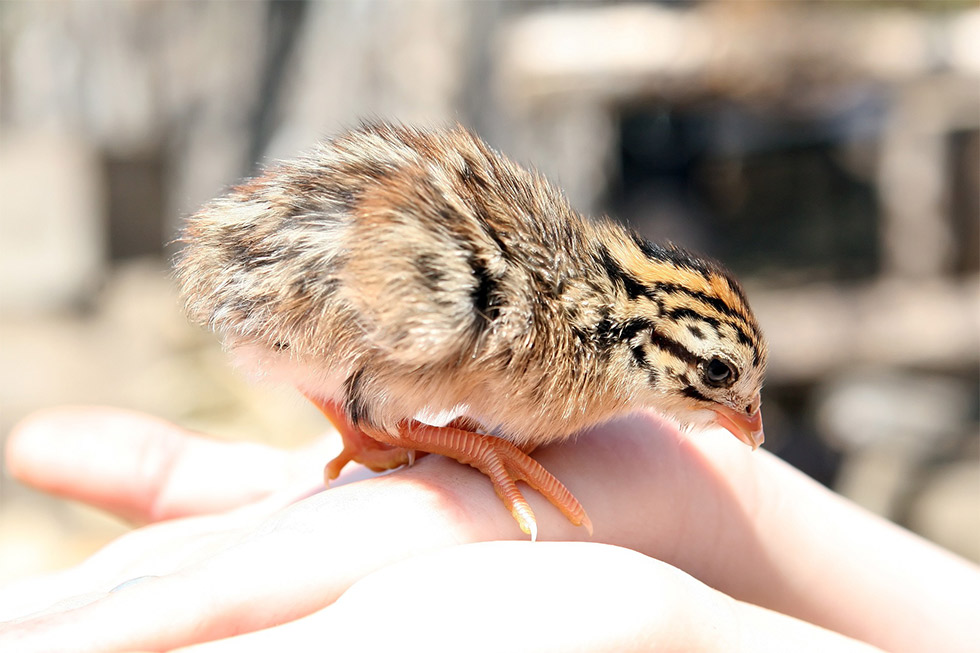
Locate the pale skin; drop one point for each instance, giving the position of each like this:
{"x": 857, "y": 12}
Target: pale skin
{"x": 699, "y": 545}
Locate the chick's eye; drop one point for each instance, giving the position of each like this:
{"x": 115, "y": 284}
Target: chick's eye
{"x": 718, "y": 373}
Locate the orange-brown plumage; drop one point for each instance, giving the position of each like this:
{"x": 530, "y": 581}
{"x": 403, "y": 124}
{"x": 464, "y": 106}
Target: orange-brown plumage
{"x": 398, "y": 275}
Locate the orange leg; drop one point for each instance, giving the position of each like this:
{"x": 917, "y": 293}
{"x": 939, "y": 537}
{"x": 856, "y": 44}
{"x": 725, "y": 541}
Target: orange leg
{"x": 359, "y": 446}
{"x": 502, "y": 461}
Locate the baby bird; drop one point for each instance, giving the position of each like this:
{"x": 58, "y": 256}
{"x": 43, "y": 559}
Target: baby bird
{"x": 430, "y": 295}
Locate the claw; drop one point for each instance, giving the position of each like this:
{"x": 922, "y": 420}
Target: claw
{"x": 358, "y": 445}
{"x": 503, "y": 462}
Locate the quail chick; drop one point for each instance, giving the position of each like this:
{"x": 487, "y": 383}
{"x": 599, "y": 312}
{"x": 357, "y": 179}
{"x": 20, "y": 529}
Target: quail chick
{"x": 430, "y": 295}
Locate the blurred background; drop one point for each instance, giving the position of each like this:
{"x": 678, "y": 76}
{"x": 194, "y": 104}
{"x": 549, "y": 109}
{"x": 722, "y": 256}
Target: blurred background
{"x": 829, "y": 153}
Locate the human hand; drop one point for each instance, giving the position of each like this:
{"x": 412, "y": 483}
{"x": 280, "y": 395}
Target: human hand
{"x": 543, "y": 596}
{"x": 699, "y": 504}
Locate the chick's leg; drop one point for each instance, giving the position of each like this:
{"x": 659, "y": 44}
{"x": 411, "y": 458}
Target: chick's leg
{"x": 503, "y": 462}
{"x": 359, "y": 446}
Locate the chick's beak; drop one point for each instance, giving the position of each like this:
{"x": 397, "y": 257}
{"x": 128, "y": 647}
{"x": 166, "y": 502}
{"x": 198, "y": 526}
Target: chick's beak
{"x": 747, "y": 427}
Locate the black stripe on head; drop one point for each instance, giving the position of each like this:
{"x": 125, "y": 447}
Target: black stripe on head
{"x": 609, "y": 332}
{"x": 734, "y": 285}
{"x": 675, "y": 255}
{"x": 650, "y": 250}
{"x": 713, "y": 302}
{"x": 706, "y": 267}
{"x": 653, "y": 376}
{"x": 640, "y": 357}
{"x": 634, "y": 289}
{"x": 693, "y": 393}
{"x": 740, "y": 334}
{"x": 689, "y": 313}
{"x": 674, "y": 348}
{"x": 744, "y": 339}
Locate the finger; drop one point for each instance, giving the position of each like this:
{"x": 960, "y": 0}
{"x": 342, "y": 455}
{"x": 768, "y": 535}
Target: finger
{"x": 291, "y": 565}
{"x": 138, "y": 467}
{"x": 153, "y": 551}
{"x": 541, "y": 597}
{"x": 559, "y": 596}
